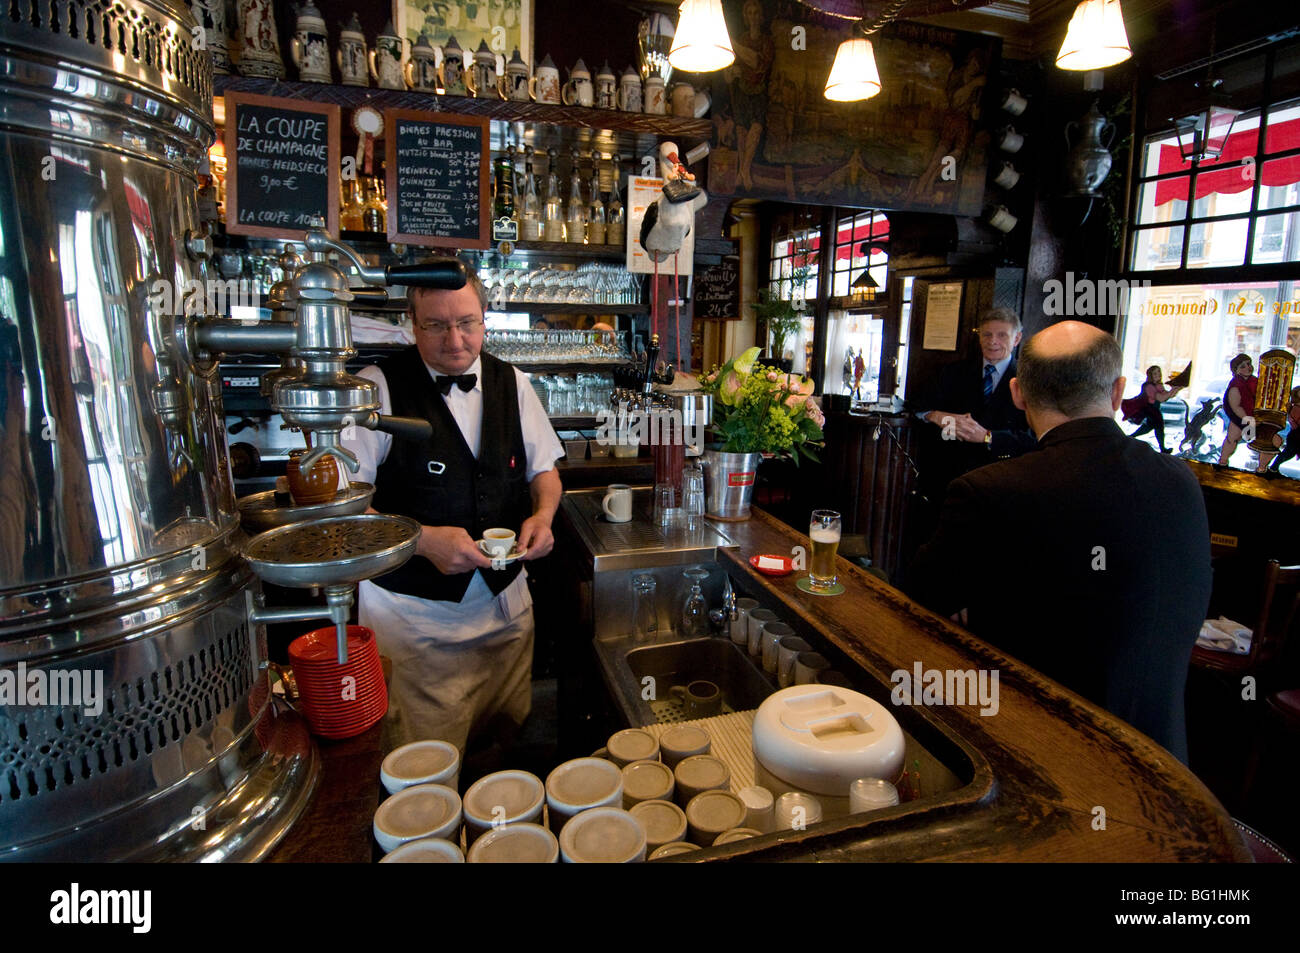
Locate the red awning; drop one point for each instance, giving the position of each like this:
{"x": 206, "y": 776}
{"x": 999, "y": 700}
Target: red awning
{"x": 1226, "y": 174}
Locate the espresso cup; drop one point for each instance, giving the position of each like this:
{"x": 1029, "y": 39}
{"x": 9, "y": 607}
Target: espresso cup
{"x": 700, "y": 699}
{"x": 420, "y": 762}
{"x": 617, "y": 503}
{"x": 1013, "y": 102}
{"x": 581, "y": 785}
{"x": 773, "y": 633}
{"x": 681, "y": 742}
{"x": 425, "y": 810}
{"x": 700, "y": 773}
{"x": 740, "y": 624}
{"x": 808, "y": 666}
{"x": 499, "y": 542}
{"x": 647, "y": 781}
{"x": 1002, "y": 219}
{"x": 1007, "y": 176}
{"x": 631, "y": 744}
{"x": 786, "y": 651}
{"x": 1010, "y": 140}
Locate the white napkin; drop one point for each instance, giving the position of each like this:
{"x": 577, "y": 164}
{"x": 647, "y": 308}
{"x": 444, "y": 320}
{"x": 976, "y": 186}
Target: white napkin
{"x": 770, "y": 562}
{"x": 1224, "y": 635}
{"x": 376, "y": 331}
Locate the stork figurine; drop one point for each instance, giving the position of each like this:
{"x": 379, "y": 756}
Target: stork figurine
{"x": 667, "y": 222}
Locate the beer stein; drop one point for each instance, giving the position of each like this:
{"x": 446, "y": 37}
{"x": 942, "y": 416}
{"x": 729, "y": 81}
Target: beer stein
{"x": 260, "y": 53}
{"x": 481, "y": 80}
{"x": 352, "y": 56}
{"x": 453, "y": 68}
{"x": 577, "y": 91}
{"x": 655, "y": 99}
{"x": 309, "y": 48}
{"x": 606, "y": 92}
{"x": 421, "y": 70}
{"x": 683, "y": 99}
{"x": 544, "y": 87}
{"x": 386, "y": 59}
{"x": 211, "y": 16}
{"x": 629, "y": 91}
{"x": 514, "y": 81}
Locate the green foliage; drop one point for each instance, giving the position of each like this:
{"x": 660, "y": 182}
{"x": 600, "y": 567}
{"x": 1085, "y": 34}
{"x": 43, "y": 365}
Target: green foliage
{"x": 758, "y": 409}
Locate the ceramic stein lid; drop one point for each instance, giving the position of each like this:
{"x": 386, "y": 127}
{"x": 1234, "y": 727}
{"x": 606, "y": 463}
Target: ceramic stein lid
{"x": 580, "y": 69}
{"x": 353, "y": 26}
{"x": 629, "y": 72}
{"x": 484, "y": 53}
{"x": 422, "y": 45}
{"x": 546, "y": 63}
{"x": 308, "y": 12}
{"x": 451, "y": 44}
{"x": 516, "y": 58}
{"x": 605, "y": 71}
{"x": 388, "y": 29}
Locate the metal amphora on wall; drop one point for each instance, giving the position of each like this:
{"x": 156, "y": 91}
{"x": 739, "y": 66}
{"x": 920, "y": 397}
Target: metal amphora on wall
{"x": 1089, "y": 161}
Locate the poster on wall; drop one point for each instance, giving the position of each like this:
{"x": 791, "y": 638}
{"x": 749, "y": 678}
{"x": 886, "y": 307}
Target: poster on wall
{"x": 506, "y": 25}
{"x": 918, "y": 145}
{"x": 641, "y": 191}
{"x": 942, "y": 316}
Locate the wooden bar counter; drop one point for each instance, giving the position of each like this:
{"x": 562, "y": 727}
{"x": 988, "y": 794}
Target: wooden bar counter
{"x": 1049, "y": 766}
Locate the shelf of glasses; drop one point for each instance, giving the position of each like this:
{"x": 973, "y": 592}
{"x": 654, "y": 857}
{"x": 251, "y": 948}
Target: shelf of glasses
{"x": 554, "y": 307}
{"x": 576, "y": 366}
{"x": 569, "y": 250}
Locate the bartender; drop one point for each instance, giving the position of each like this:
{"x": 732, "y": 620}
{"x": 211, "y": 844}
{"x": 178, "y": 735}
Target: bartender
{"x": 459, "y": 633}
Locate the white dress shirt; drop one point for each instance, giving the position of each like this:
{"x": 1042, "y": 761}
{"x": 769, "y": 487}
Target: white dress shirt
{"x": 542, "y": 448}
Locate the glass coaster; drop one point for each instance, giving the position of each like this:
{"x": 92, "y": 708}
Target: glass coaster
{"x": 804, "y": 584}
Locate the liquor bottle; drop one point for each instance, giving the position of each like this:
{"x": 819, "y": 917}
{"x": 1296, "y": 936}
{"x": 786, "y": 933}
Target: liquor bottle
{"x": 372, "y": 211}
{"x": 596, "y": 211}
{"x": 350, "y": 214}
{"x": 615, "y": 223}
{"x": 553, "y": 214}
{"x": 503, "y": 186}
{"x": 532, "y": 206}
{"x": 576, "y": 219}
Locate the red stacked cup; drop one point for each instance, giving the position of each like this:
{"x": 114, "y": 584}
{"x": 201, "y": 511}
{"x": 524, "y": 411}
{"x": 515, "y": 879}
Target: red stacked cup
{"x": 339, "y": 701}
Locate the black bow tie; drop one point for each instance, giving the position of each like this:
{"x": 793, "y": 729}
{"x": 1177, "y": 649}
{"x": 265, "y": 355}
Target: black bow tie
{"x": 464, "y": 381}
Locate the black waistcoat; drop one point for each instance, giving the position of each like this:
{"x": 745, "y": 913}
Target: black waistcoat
{"x": 473, "y": 494}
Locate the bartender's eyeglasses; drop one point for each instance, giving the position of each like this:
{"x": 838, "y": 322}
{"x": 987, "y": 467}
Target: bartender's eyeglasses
{"x": 440, "y": 329}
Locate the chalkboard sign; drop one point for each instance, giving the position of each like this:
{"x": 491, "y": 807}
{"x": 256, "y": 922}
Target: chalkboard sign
{"x": 717, "y": 289}
{"x": 437, "y": 169}
{"x": 282, "y": 165}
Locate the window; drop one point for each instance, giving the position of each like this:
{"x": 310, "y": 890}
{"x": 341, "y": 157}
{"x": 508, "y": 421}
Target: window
{"x": 792, "y": 272}
{"x": 861, "y": 245}
{"x": 1214, "y": 248}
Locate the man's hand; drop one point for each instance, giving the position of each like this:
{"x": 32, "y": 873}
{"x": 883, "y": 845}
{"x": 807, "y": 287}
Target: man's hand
{"x": 450, "y": 549}
{"x": 536, "y": 537}
{"x": 969, "y": 430}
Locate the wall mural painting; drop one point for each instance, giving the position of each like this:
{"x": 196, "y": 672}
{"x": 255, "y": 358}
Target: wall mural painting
{"x": 506, "y": 25}
{"x": 776, "y": 135}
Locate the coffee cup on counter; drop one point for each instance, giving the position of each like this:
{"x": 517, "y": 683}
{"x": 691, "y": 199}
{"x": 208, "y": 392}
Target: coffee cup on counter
{"x": 617, "y": 503}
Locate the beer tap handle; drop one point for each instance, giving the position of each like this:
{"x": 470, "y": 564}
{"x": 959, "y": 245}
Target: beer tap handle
{"x": 444, "y": 273}
{"x": 403, "y": 428}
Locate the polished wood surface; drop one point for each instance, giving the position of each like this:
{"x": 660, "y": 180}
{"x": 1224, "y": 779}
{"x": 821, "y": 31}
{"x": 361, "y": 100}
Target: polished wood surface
{"x": 1046, "y": 765}
{"x": 1244, "y": 483}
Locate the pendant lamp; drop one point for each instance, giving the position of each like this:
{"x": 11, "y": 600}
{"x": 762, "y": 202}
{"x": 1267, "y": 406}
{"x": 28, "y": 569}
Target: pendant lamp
{"x": 1095, "y": 38}
{"x": 701, "y": 43}
{"x": 854, "y": 76}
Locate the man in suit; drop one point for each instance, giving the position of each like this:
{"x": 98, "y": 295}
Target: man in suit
{"x": 1088, "y": 559}
{"x": 977, "y": 416}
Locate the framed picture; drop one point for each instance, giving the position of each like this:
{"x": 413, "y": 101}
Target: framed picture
{"x": 506, "y": 25}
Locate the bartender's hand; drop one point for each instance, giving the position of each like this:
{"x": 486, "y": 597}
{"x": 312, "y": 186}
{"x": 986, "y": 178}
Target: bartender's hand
{"x": 450, "y": 549}
{"x": 536, "y": 537}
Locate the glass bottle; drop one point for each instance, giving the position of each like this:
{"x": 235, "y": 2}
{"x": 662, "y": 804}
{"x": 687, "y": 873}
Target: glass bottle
{"x": 576, "y": 218}
{"x": 372, "y": 212}
{"x": 532, "y": 206}
{"x": 503, "y": 185}
{"x": 614, "y": 217}
{"x": 553, "y": 214}
{"x": 350, "y": 214}
{"x": 596, "y": 211}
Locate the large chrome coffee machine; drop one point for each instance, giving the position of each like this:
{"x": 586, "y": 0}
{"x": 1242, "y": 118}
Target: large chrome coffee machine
{"x": 136, "y": 719}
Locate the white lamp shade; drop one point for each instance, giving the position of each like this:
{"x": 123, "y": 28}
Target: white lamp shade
{"x": 1096, "y": 37}
{"x": 854, "y": 75}
{"x": 701, "y": 43}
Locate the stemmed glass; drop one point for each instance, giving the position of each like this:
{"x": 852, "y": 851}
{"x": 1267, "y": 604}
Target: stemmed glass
{"x": 695, "y": 611}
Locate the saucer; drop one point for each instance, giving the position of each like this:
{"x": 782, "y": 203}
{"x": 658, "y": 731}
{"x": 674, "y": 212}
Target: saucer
{"x": 784, "y": 569}
{"x": 515, "y": 553}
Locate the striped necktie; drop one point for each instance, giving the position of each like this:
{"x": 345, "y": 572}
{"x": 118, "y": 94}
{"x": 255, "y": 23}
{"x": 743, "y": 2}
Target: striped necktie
{"x": 988, "y": 381}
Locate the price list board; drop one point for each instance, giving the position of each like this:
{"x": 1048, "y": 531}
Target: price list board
{"x": 437, "y": 171}
{"x": 283, "y": 166}
{"x": 717, "y": 290}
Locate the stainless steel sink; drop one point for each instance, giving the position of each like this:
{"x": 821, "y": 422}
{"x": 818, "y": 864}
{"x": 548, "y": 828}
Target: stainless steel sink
{"x": 628, "y": 665}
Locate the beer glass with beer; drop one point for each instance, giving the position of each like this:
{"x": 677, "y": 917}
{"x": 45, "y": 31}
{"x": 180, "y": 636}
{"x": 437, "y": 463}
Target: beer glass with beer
{"x": 825, "y": 534}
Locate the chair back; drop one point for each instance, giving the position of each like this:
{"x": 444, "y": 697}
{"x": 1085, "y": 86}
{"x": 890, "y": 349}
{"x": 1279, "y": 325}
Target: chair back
{"x": 1277, "y": 614}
